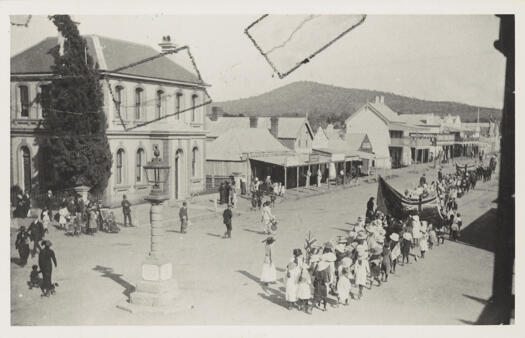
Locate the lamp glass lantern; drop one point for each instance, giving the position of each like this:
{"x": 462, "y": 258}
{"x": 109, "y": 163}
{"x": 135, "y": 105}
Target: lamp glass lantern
{"x": 157, "y": 172}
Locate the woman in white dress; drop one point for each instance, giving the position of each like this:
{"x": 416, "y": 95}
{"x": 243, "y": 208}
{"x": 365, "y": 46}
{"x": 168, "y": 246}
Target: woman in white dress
{"x": 267, "y": 218}
{"x": 269, "y": 274}
{"x": 319, "y": 177}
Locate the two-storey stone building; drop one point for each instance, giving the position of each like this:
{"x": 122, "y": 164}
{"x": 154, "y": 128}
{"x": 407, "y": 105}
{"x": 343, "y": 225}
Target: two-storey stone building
{"x": 149, "y": 96}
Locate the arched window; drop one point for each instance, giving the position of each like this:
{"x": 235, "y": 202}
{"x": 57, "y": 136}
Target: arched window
{"x": 194, "y": 161}
{"x": 44, "y": 99}
{"x": 119, "y": 90}
{"x": 23, "y": 94}
{"x": 160, "y": 103}
{"x": 139, "y": 175}
{"x": 194, "y": 98}
{"x": 178, "y": 105}
{"x": 139, "y": 93}
{"x": 120, "y": 167}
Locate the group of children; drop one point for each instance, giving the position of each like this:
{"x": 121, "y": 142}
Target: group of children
{"x": 366, "y": 256}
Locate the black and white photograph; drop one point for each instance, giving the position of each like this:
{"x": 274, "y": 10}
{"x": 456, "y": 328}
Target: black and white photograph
{"x": 260, "y": 169}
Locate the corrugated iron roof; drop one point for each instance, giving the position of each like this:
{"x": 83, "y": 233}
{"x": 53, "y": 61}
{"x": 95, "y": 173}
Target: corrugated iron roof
{"x": 232, "y": 144}
{"x": 288, "y": 126}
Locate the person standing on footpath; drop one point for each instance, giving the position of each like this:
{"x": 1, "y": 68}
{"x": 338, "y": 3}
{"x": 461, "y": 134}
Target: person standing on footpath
{"x": 183, "y": 215}
{"x": 22, "y": 245}
{"x": 36, "y": 230}
{"x": 48, "y": 203}
{"x": 227, "y": 220}
{"x": 126, "y": 210}
{"x": 46, "y": 259}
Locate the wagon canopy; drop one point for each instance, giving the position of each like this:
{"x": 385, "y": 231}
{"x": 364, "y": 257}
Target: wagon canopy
{"x": 391, "y": 202}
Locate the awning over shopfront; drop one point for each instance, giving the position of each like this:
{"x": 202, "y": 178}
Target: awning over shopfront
{"x": 292, "y": 160}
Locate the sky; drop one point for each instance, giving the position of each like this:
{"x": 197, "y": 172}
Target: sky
{"x": 431, "y": 57}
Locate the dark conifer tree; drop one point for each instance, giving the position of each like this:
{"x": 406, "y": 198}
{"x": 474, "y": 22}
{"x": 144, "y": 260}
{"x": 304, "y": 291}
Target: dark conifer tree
{"x": 74, "y": 145}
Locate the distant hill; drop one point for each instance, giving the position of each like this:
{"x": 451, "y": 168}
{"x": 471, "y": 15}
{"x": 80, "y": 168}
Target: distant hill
{"x": 331, "y": 104}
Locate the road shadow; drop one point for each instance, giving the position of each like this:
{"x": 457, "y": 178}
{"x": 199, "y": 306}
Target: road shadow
{"x": 255, "y": 231}
{"x": 213, "y": 235}
{"x": 477, "y": 299}
{"x": 274, "y": 295}
{"x": 250, "y": 276}
{"x": 108, "y": 273}
{"x": 481, "y": 232}
{"x": 492, "y": 313}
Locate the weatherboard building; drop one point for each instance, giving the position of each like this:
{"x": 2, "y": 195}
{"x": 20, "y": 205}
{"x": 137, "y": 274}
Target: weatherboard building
{"x": 160, "y": 102}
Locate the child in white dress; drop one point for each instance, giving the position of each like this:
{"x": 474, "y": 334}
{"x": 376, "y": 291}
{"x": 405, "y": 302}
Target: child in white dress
{"x": 343, "y": 287}
{"x": 361, "y": 272}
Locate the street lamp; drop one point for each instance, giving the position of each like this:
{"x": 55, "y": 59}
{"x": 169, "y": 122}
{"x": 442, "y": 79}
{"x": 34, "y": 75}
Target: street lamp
{"x": 157, "y": 290}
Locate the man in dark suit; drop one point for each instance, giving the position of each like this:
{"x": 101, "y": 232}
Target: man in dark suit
{"x": 227, "y": 220}
{"x": 183, "y": 215}
{"x": 46, "y": 259}
{"x": 126, "y": 210}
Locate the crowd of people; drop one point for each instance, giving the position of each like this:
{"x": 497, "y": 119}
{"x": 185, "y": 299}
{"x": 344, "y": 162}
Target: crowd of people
{"x": 74, "y": 217}
{"x": 372, "y": 250}
{"x": 258, "y": 189}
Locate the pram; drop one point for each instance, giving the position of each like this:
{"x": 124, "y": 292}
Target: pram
{"x": 108, "y": 221}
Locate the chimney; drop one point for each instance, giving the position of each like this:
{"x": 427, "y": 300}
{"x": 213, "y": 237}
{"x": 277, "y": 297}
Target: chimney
{"x": 382, "y": 99}
{"x": 166, "y": 45}
{"x": 253, "y": 121}
{"x": 378, "y": 99}
{"x": 274, "y": 126}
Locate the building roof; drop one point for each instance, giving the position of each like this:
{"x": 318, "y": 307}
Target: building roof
{"x": 385, "y": 111}
{"x": 233, "y": 143}
{"x": 110, "y": 54}
{"x": 419, "y": 119}
{"x": 354, "y": 141}
{"x": 288, "y": 126}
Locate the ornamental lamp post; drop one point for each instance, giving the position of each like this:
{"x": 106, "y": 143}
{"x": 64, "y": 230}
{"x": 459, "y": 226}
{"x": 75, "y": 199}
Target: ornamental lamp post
{"x": 157, "y": 290}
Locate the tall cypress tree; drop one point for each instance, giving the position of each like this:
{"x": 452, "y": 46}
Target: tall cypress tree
{"x": 74, "y": 145}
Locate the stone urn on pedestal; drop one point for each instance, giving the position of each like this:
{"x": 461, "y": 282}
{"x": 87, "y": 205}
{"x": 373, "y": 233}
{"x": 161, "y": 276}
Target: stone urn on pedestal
{"x": 157, "y": 290}
{"x": 83, "y": 191}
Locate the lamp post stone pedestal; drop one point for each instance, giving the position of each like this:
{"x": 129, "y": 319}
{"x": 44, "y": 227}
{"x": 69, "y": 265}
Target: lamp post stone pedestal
{"x": 157, "y": 290}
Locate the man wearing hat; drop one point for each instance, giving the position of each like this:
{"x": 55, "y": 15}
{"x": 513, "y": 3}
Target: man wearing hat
{"x": 126, "y": 210}
{"x": 370, "y": 209}
{"x": 22, "y": 245}
{"x": 45, "y": 260}
{"x": 183, "y": 216}
{"x": 227, "y": 220}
